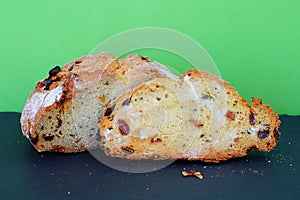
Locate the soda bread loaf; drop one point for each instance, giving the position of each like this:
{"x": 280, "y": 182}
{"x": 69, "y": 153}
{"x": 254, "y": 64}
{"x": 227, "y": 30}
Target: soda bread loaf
{"x": 198, "y": 117}
{"x": 62, "y": 113}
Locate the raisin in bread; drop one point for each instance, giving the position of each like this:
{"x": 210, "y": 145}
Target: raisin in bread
{"x": 198, "y": 117}
{"x": 62, "y": 113}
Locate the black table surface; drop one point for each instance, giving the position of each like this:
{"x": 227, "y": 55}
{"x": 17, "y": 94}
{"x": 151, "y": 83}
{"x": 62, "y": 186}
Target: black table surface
{"x": 27, "y": 174}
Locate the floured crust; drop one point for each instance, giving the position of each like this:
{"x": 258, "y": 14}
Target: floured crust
{"x": 198, "y": 117}
{"x": 52, "y": 116}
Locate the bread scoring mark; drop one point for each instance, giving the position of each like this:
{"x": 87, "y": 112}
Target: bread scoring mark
{"x": 32, "y": 106}
{"x": 123, "y": 127}
{"x": 53, "y": 96}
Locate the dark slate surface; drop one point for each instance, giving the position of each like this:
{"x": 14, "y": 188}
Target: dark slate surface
{"x": 27, "y": 174}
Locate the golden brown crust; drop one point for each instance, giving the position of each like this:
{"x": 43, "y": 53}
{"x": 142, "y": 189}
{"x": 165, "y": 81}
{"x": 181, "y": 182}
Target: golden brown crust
{"x": 77, "y": 69}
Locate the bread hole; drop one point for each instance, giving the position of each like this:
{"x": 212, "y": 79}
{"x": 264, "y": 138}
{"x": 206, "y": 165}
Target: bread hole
{"x": 48, "y": 137}
{"x": 72, "y": 134}
{"x": 157, "y": 86}
{"x": 110, "y": 128}
{"x": 189, "y": 74}
{"x": 158, "y": 99}
{"x": 166, "y": 96}
{"x": 202, "y": 135}
{"x": 49, "y": 117}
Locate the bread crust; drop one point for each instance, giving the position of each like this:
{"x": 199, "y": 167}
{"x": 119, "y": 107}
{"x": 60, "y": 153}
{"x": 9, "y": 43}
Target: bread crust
{"x": 56, "y": 96}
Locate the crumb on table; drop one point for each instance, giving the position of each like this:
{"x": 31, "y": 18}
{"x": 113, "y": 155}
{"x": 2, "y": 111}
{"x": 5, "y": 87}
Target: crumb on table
{"x": 192, "y": 173}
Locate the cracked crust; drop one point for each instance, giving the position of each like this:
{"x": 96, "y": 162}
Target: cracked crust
{"x": 198, "y": 117}
{"x": 62, "y": 113}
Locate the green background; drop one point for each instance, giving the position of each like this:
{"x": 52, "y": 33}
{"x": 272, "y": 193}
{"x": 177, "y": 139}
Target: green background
{"x": 255, "y": 44}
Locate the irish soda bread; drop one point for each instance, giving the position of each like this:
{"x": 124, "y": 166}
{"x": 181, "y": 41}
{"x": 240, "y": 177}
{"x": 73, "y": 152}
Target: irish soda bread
{"x": 62, "y": 113}
{"x": 198, "y": 117}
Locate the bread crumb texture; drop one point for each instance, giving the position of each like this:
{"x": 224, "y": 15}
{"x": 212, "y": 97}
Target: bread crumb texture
{"x": 196, "y": 117}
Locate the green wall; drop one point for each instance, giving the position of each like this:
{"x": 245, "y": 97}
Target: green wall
{"x": 255, "y": 44}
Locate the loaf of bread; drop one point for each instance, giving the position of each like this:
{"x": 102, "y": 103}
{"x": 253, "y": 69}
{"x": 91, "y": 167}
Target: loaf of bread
{"x": 196, "y": 117}
{"x": 62, "y": 113}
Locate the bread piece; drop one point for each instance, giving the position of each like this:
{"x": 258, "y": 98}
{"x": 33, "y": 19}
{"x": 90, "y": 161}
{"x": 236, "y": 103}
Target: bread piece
{"x": 62, "y": 113}
{"x": 198, "y": 117}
